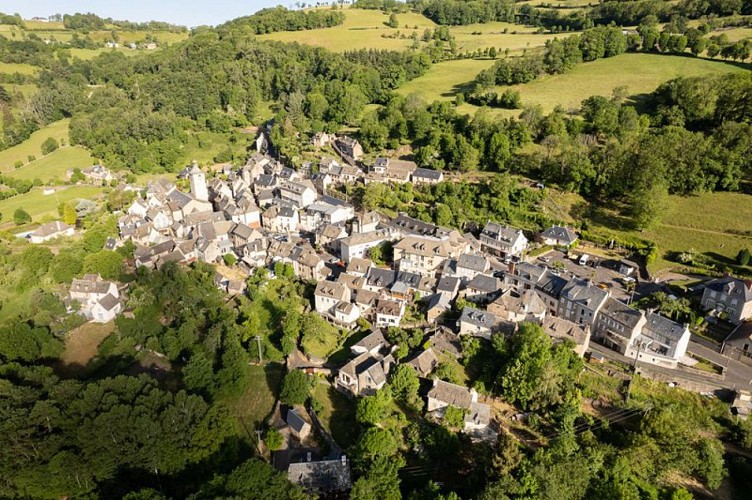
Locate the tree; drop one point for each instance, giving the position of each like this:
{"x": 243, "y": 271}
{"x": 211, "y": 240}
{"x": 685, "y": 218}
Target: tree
{"x": 405, "y": 385}
{"x": 296, "y": 387}
{"x": 230, "y": 259}
{"x": 742, "y": 258}
{"x": 393, "y": 21}
{"x": 49, "y": 145}
{"x": 373, "y": 409}
{"x": 21, "y": 217}
{"x": 69, "y": 214}
{"x": 492, "y": 53}
{"x": 106, "y": 263}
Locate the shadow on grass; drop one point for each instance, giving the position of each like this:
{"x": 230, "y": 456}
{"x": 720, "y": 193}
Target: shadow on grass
{"x": 343, "y": 355}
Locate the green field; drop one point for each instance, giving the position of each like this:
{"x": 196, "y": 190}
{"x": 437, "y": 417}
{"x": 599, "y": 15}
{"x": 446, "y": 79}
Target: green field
{"x": 640, "y": 73}
{"x": 516, "y": 39}
{"x": 445, "y": 79}
{"x": 11, "y": 68}
{"x": 705, "y": 223}
{"x": 362, "y": 29}
{"x": 33, "y": 145}
{"x": 55, "y": 165}
{"x": 89, "y": 54}
{"x": 733, "y": 34}
{"x": 39, "y": 205}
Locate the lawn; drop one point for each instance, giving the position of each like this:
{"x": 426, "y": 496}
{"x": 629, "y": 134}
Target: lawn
{"x": 257, "y": 402}
{"x": 33, "y": 145}
{"x": 362, "y": 29}
{"x": 640, "y": 73}
{"x": 81, "y": 346}
{"x": 55, "y": 164}
{"x": 39, "y": 205}
{"x": 12, "y": 68}
{"x": 338, "y": 411}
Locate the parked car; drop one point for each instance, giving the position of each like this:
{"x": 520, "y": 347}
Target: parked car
{"x": 543, "y": 258}
{"x": 584, "y": 259}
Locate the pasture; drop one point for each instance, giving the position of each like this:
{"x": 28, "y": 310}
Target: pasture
{"x": 33, "y": 145}
{"x": 366, "y": 29}
{"x": 13, "y": 68}
{"x": 445, "y": 79}
{"x": 708, "y": 224}
{"x": 362, "y": 29}
{"x": 39, "y": 205}
{"x": 640, "y": 73}
{"x": 55, "y": 165}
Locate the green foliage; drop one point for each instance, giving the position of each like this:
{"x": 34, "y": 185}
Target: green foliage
{"x": 742, "y": 258}
{"x": 49, "y": 145}
{"x": 405, "y": 384}
{"x": 454, "y": 417}
{"x": 229, "y": 259}
{"x": 106, "y": 263}
{"x": 274, "y": 439}
{"x": 296, "y": 387}
{"x": 373, "y": 409}
{"x": 21, "y": 217}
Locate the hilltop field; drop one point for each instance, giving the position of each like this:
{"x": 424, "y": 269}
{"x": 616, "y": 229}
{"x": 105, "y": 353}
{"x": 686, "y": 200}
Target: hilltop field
{"x": 367, "y": 29}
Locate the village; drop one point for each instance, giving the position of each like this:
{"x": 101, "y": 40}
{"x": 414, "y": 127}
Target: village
{"x": 370, "y": 269}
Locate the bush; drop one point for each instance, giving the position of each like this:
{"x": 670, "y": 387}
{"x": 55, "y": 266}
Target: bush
{"x": 49, "y": 145}
{"x": 273, "y": 439}
{"x": 21, "y": 217}
{"x": 230, "y": 259}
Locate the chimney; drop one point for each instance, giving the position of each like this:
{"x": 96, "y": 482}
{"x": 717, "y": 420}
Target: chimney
{"x": 511, "y": 267}
{"x": 308, "y": 456}
{"x": 343, "y": 459}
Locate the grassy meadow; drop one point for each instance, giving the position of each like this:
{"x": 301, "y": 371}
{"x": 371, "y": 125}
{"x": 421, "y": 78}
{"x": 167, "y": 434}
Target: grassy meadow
{"x": 55, "y": 165}
{"x": 12, "y": 68}
{"x": 39, "y": 205}
{"x": 640, "y": 73}
{"x": 445, "y": 79}
{"x": 33, "y": 145}
{"x": 363, "y": 29}
{"x": 708, "y": 223}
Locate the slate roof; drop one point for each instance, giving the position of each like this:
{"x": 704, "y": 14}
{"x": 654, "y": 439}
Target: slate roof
{"x": 477, "y": 317}
{"x": 621, "y": 312}
{"x": 657, "y": 324}
{"x": 424, "y": 362}
{"x": 427, "y": 173}
{"x": 108, "y": 302}
{"x": 734, "y": 287}
{"x": 448, "y": 284}
{"x": 484, "y": 283}
{"x": 388, "y": 307}
{"x": 563, "y": 234}
{"x": 452, "y": 394}
{"x": 90, "y": 284}
{"x": 371, "y": 341}
{"x": 295, "y": 420}
{"x": 358, "y": 265}
{"x": 473, "y": 262}
{"x": 501, "y": 233}
{"x": 331, "y": 289}
{"x": 321, "y": 476}
{"x": 584, "y": 294}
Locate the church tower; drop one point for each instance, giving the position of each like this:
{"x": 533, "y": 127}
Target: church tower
{"x": 198, "y": 184}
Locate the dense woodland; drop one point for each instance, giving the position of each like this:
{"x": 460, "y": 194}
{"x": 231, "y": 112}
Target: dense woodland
{"x": 118, "y": 432}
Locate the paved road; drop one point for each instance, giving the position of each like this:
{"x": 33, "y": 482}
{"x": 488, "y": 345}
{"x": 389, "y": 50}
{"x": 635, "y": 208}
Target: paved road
{"x": 736, "y": 376}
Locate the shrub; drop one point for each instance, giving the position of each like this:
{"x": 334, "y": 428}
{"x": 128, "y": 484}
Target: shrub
{"x": 49, "y": 145}
{"x": 21, "y": 216}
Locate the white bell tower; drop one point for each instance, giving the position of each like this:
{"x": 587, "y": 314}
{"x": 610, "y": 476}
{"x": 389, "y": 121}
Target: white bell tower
{"x": 198, "y": 183}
